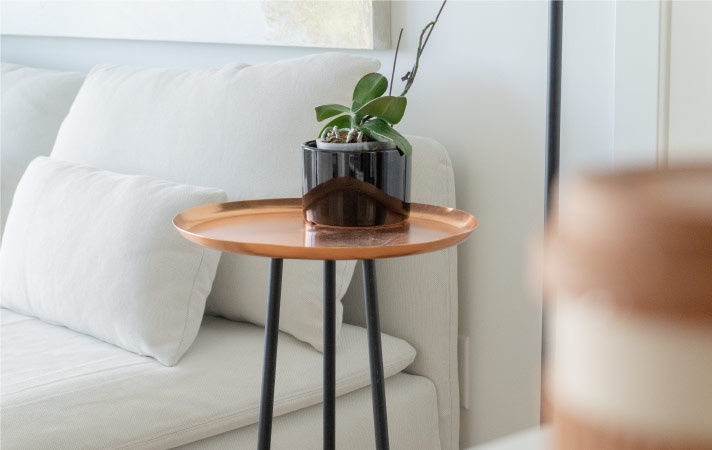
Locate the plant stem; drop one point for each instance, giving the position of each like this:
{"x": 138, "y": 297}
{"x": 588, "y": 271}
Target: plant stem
{"x": 431, "y": 28}
{"x": 410, "y": 76}
{"x": 393, "y": 72}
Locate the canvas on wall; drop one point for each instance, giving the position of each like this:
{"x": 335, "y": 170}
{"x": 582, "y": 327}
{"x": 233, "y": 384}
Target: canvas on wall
{"x": 348, "y": 24}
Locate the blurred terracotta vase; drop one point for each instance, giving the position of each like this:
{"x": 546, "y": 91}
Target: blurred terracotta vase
{"x": 628, "y": 269}
{"x": 355, "y": 185}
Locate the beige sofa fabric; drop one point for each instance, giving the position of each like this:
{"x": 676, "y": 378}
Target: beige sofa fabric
{"x": 412, "y": 422}
{"x": 64, "y": 390}
{"x": 34, "y": 104}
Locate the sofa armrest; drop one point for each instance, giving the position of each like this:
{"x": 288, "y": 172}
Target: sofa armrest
{"x": 418, "y": 298}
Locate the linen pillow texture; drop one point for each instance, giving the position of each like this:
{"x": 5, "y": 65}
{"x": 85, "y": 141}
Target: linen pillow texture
{"x": 96, "y": 251}
{"x": 34, "y": 104}
{"x": 238, "y": 128}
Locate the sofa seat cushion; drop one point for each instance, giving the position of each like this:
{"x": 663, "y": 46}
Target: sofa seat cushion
{"x": 412, "y": 422}
{"x": 65, "y": 390}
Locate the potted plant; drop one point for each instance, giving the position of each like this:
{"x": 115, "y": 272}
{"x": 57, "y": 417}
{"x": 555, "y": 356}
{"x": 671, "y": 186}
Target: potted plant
{"x": 357, "y": 172}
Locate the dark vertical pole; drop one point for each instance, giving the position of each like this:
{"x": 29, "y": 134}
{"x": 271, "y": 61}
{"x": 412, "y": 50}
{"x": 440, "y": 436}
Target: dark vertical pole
{"x": 329, "y": 355}
{"x": 553, "y": 107}
{"x": 553, "y": 139}
{"x": 269, "y": 367}
{"x": 373, "y": 324}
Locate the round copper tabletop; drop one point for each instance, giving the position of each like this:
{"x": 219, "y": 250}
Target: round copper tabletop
{"x": 275, "y": 228}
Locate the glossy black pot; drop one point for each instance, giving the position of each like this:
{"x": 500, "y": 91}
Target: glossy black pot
{"x": 355, "y": 188}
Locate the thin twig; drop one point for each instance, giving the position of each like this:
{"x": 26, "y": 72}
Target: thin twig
{"x": 410, "y": 76}
{"x": 431, "y": 28}
{"x": 393, "y": 72}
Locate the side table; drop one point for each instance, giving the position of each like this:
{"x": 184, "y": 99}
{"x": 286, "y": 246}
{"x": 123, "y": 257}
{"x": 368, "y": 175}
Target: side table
{"x": 275, "y": 228}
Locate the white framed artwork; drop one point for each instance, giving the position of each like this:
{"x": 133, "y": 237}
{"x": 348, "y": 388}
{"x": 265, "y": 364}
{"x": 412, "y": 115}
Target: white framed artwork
{"x": 346, "y": 24}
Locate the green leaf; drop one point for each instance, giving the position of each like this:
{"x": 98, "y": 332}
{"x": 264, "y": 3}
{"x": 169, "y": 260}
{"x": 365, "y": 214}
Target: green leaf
{"x": 379, "y": 130}
{"x": 388, "y": 108}
{"x": 341, "y": 122}
{"x": 355, "y": 119}
{"x": 369, "y": 87}
{"x": 326, "y": 111}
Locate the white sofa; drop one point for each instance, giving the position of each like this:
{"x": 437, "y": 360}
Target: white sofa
{"x": 63, "y": 389}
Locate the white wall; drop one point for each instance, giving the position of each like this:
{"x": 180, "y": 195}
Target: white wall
{"x": 690, "y": 83}
{"x": 610, "y": 85}
{"x": 588, "y": 86}
{"x": 481, "y": 91}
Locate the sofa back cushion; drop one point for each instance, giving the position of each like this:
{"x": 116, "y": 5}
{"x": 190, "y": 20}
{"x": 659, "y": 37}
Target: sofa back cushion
{"x": 95, "y": 251}
{"x": 34, "y": 104}
{"x": 238, "y": 128}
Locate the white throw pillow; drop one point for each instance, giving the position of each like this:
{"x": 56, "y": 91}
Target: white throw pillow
{"x": 34, "y": 104}
{"x": 96, "y": 251}
{"x": 238, "y": 128}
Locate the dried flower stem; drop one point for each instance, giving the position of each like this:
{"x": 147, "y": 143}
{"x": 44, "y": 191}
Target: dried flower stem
{"x": 410, "y": 76}
{"x": 393, "y": 72}
{"x": 434, "y": 22}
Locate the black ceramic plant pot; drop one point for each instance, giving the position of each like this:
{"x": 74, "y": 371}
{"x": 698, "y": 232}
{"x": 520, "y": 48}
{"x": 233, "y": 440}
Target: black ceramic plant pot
{"x": 344, "y": 186}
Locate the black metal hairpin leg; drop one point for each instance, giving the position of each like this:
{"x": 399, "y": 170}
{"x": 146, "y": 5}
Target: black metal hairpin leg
{"x": 329, "y": 355}
{"x": 378, "y": 391}
{"x": 264, "y": 434}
